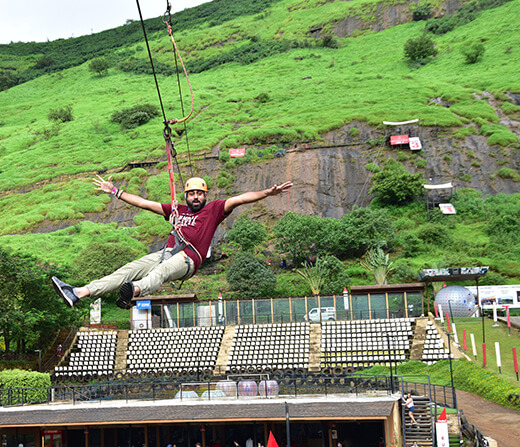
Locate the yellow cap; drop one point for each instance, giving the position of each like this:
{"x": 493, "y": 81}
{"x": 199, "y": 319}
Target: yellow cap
{"x": 196, "y": 183}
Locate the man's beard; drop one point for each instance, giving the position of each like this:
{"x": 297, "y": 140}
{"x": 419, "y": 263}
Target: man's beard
{"x": 197, "y": 206}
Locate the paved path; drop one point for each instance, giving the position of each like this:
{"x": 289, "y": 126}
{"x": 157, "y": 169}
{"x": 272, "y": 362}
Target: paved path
{"x": 495, "y": 421}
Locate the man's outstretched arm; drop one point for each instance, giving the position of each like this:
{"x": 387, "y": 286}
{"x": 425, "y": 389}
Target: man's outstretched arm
{"x": 250, "y": 197}
{"x": 108, "y": 187}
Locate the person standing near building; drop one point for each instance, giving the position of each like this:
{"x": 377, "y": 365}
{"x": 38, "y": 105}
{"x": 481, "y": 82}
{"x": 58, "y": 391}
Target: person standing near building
{"x": 411, "y": 407}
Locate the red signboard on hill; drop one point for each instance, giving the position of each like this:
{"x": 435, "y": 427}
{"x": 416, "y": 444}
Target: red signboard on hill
{"x": 239, "y": 152}
{"x": 398, "y": 139}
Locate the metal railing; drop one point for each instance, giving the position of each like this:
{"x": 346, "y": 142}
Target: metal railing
{"x": 169, "y": 388}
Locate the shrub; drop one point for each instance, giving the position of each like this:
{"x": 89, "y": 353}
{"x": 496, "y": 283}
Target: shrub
{"x": 16, "y": 378}
{"x": 353, "y": 131}
{"x": 135, "y": 116}
{"x": 509, "y": 173}
{"x": 61, "y": 115}
{"x": 225, "y": 179}
{"x": 99, "y": 66}
{"x": 43, "y": 62}
{"x": 262, "y": 98}
{"x": 372, "y": 167}
{"x": 422, "y": 11}
{"x": 251, "y": 276}
{"x": 8, "y": 79}
{"x": 432, "y": 233}
{"x": 329, "y": 42}
{"x": 395, "y": 185}
{"x": 419, "y": 49}
{"x": 473, "y": 53}
{"x": 247, "y": 233}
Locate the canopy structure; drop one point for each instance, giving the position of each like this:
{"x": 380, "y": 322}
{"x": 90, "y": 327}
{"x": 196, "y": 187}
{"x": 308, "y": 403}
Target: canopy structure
{"x": 439, "y": 195}
{"x": 400, "y": 123}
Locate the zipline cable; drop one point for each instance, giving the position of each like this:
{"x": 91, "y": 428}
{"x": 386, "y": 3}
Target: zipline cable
{"x": 170, "y": 150}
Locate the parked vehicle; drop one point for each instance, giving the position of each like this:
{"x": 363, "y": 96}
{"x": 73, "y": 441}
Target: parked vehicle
{"x": 327, "y": 314}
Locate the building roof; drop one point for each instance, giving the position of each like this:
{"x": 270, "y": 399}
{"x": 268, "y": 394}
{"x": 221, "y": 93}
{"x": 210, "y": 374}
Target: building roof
{"x": 168, "y": 411}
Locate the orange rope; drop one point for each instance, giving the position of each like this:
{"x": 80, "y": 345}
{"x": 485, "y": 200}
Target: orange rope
{"x": 174, "y": 120}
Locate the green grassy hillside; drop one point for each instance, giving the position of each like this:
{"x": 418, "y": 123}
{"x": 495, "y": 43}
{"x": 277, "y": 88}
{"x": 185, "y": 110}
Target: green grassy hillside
{"x": 282, "y": 85}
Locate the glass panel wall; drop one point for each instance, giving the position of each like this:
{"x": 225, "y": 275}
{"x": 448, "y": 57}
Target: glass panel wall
{"x": 414, "y": 300}
{"x": 262, "y": 311}
{"x": 246, "y": 312}
{"x": 298, "y": 309}
{"x": 231, "y": 313}
{"x": 281, "y": 310}
{"x": 378, "y": 305}
{"x": 360, "y": 307}
{"x": 396, "y": 305}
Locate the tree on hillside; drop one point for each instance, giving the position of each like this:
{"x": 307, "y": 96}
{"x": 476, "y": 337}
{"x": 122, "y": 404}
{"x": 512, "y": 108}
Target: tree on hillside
{"x": 362, "y": 229}
{"x": 296, "y": 236}
{"x": 99, "y": 66}
{"x": 30, "y": 310}
{"x": 247, "y": 233}
{"x": 251, "y": 276}
{"x": 394, "y": 185}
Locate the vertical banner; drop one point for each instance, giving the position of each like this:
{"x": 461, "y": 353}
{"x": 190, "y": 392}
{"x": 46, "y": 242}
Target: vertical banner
{"x": 345, "y": 299}
{"x": 95, "y": 312}
{"x": 441, "y": 427}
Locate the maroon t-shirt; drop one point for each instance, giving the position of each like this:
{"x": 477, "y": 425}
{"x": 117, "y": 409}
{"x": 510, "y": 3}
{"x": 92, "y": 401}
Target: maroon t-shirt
{"x": 198, "y": 228}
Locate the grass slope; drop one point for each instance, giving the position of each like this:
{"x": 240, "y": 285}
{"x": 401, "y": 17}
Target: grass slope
{"x": 309, "y": 90}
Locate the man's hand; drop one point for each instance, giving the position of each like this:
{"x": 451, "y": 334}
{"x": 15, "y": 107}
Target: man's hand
{"x": 103, "y": 185}
{"x": 278, "y": 189}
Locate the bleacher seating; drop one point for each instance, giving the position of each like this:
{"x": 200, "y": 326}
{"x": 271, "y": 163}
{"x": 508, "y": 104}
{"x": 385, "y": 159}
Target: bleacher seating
{"x": 433, "y": 346}
{"x": 174, "y": 350}
{"x": 93, "y": 354}
{"x": 270, "y": 347}
{"x": 345, "y": 346}
{"x": 365, "y": 342}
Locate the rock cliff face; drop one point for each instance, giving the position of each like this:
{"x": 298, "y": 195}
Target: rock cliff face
{"x": 329, "y": 181}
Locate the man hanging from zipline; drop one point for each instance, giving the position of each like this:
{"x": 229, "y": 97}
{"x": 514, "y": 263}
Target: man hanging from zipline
{"x": 194, "y": 225}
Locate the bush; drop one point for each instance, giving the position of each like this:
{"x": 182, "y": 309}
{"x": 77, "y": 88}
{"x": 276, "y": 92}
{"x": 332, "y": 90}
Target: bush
{"x": 44, "y": 62}
{"x": 247, "y": 233}
{"x": 251, "y": 276}
{"x": 473, "y": 53}
{"x": 61, "y": 115}
{"x": 99, "y": 66}
{"x": 509, "y": 174}
{"x": 16, "y": 378}
{"x": 473, "y": 378}
{"x": 419, "y": 49}
{"x": 329, "y": 42}
{"x": 8, "y": 79}
{"x": 395, "y": 185}
{"x": 422, "y": 11}
{"x": 225, "y": 179}
{"x": 135, "y": 116}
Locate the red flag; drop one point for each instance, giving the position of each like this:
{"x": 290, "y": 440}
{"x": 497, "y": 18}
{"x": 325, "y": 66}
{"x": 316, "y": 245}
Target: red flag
{"x": 442, "y": 417}
{"x": 271, "y": 442}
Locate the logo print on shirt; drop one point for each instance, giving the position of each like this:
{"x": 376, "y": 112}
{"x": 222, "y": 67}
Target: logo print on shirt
{"x": 187, "y": 221}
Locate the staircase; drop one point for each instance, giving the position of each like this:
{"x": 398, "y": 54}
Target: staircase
{"x": 422, "y": 432}
{"x": 121, "y": 348}
{"x": 225, "y": 347}
{"x": 315, "y": 348}
{"x": 64, "y": 338}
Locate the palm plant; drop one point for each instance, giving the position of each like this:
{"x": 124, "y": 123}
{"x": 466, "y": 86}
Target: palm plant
{"x": 314, "y": 276}
{"x": 378, "y": 262}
